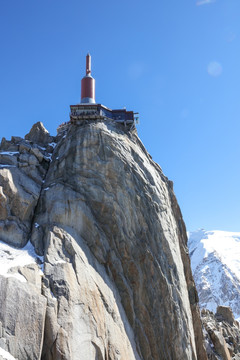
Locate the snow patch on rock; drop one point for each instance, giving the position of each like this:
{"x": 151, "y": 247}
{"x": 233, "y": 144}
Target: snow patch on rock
{"x": 11, "y": 257}
{"x": 6, "y": 355}
{"x": 11, "y": 153}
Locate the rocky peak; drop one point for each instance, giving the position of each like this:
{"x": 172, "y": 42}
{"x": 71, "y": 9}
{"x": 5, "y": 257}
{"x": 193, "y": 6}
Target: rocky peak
{"x": 117, "y": 282}
{"x": 39, "y": 135}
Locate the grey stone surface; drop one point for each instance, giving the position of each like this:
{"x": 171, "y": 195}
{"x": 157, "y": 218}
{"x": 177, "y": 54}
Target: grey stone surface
{"x": 22, "y": 314}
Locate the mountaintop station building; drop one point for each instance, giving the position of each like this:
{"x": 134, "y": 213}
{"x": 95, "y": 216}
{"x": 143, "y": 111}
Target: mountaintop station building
{"x": 88, "y": 110}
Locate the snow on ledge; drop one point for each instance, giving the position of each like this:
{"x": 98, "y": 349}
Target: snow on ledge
{"x": 11, "y": 257}
{"x": 53, "y": 144}
{"x": 7, "y": 166}
{"x": 11, "y": 153}
{"x": 6, "y": 355}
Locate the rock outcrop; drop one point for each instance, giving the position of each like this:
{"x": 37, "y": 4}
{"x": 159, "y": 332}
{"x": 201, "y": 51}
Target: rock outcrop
{"x": 117, "y": 282}
{"x": 222, "y": 334}
{"x": 23, "y": 166}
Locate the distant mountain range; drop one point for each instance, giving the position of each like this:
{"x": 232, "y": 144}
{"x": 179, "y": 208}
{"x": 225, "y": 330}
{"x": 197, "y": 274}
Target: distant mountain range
{"x": 215, "y": 261}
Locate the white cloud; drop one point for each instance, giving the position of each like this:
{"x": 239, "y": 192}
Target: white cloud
{"x": 204, "y": 2}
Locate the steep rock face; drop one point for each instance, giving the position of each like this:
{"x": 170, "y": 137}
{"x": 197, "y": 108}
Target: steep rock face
{"x": 22, "y": 306}
{"x": 116, "y": 270}
{"x": 192, "y": 291}
{"x": 23, "y": 166}
{"x": 85, "y": 319}
{"x": 22, "y": 318}
{"x": 104, "y": 191}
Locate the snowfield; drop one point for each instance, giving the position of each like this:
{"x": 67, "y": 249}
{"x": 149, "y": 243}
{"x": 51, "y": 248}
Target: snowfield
{"x": 215, "y": 261}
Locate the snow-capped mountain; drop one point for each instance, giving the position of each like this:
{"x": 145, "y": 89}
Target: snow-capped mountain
{"x": 215, "y": 260}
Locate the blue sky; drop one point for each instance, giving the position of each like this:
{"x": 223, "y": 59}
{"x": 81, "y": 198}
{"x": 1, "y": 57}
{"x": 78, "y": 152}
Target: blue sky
{"x": 175, "y": 62}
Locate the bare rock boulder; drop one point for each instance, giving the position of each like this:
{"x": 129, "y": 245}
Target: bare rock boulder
{"x": 224, "y": 313}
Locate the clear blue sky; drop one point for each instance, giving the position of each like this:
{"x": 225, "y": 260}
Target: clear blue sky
{"x": 175, "y": 62}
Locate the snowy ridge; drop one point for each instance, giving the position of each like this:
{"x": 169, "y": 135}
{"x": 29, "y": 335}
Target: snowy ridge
{"x": 215, "y": 261}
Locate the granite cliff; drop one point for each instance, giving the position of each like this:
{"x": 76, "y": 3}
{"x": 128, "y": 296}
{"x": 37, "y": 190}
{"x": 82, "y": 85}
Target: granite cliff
{"x": 111, "y": 276}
